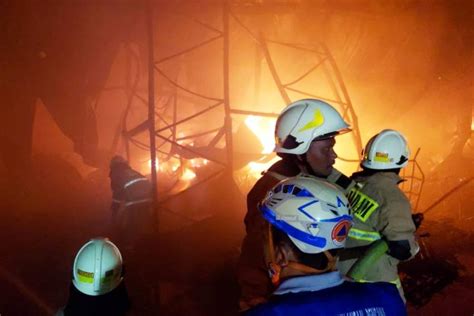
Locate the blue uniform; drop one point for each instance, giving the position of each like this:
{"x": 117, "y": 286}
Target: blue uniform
{"x": 329, "y": 295}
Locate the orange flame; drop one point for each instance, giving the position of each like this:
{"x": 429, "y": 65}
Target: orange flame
{"x": 263, "y": 128}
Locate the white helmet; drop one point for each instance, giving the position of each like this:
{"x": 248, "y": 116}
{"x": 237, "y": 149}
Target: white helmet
{"x": 303, "y": 121}
{"x": 386, "y": 150}
{"x": 98, "y": 267}
{"x": 313, "y": 213}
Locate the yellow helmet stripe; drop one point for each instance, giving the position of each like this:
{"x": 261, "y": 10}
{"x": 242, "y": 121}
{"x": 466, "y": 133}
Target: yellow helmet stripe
{"x": 318, "y": 120}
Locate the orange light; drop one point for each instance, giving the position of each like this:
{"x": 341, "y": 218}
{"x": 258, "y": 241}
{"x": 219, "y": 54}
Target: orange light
{"x": 198, "y": 162}
{"x": 157, "y": 164}
{"x": 263, "y": 128}
{"x": 188, "y": 175}
{"x": 256, "y": 168}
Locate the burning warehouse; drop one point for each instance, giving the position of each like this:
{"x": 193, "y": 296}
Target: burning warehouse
{"x": 187, "y": 94}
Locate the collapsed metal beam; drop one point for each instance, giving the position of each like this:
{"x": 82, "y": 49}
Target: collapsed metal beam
{"x": 447, "y": 194}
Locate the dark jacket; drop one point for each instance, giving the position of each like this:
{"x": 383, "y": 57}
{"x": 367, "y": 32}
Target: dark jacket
{"x": 252, "y": 272}
{"x": 114, "y": 303}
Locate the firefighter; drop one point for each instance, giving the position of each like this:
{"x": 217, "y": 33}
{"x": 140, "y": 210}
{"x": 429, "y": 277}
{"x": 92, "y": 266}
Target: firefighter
{"x": 305, "y": 138}
{"x": 307, "y": 222}
{"x": 131, "y": 207}
{"x": 381, "y": 210}
{"x": 97, "y": 286}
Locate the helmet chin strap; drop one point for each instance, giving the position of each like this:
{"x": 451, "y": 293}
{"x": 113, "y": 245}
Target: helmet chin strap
{"x": 274, "y": 269}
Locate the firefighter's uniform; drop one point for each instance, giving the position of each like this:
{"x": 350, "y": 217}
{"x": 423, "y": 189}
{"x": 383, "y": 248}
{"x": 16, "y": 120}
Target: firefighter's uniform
{"x": 131, "y": 204}
{"x": 252, "y": 275}
{"x": 380, "y": 210}
{"x": 252, "y": 272}
{"x": 300, "y": 124}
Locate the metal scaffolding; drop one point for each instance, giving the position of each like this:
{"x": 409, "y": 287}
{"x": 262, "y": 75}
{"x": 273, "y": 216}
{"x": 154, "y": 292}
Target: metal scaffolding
{"x": 170, "y": 138}
{"x": 323, "y": 60}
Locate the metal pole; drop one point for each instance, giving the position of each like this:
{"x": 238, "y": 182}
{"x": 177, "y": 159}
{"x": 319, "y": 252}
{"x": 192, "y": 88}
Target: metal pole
{"x": 447, "y": 194}
{"x": 258, "y": 75}
{"x": 155, "y": 293}
{"x": 353, "y": 116}
{"x": 273, "y": 71}
{"x": 151, "y": 101}
{"x": 228, "y": 118}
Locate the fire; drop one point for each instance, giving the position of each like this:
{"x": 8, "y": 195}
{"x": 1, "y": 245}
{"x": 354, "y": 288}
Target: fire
{"x": 169, "y": 166}
{"x": 173, "y": 168}
{"x": 188, "y": 174}
{"x": 256, "y": 168}
{"x": 263, "y": 128}
{"x": 198, "y": 162}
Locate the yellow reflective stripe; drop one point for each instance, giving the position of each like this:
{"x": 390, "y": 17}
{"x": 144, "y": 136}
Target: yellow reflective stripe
{"x": 85, "y": 277}
{"x": 396, "y": 282}
{"x": 381, "y": 157}
{"x": 363, "y": 234}
{"x": 88, "y": 277}
{"x": 362, "y": 206}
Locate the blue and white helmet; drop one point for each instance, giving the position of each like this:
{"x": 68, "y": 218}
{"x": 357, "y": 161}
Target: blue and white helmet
{"x": 312, "y": 212}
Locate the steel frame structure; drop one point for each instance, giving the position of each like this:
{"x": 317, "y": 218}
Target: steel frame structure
{"x": 323, "y": 60}
{"x": 166, "y": 131}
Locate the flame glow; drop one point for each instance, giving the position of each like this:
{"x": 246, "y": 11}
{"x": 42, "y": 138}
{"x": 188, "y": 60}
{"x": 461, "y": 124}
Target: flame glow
{"x": 257, "y": 168}
{"x": 173, "y": 168}
{"x": 169, "y": 166}
{"x": 263, "y": 128}
{"x": 188, "y": 175}
{"x": 157, "y": 164}
{"x": 185, "y": 170}
{"x": 198, "y": 162}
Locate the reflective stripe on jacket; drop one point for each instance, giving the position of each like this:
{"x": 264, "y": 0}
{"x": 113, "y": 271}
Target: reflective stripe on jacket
{"x": 130, "y": 187}
{"x": 380, "y": 210}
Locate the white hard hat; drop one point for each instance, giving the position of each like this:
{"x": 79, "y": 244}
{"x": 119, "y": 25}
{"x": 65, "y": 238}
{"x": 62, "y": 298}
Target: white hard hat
{"x": 98, "y": 267}
{"x": 313, "y": 213}
{"x": 386, "y": 150}
{"x": 304, "y": 121}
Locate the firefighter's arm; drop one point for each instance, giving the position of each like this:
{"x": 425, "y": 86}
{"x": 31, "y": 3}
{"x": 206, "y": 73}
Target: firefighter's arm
{"x": 399, "y": 249}
{"x": 399, "y": 229}
{"x": 372, "y": 254}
